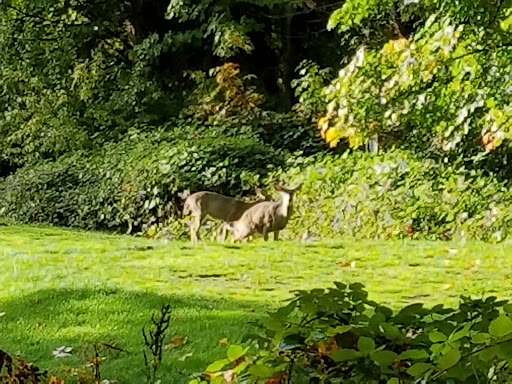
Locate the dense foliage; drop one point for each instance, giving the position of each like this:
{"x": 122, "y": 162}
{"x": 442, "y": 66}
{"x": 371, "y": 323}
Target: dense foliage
{"x": 340, "y": 336}
{"x": 135, "y": 183}
{"x": 441, "y": 86}
{"x": 76, "y": 74}
{"x": 396, "y": 195}
{"x": 109, "y": 110}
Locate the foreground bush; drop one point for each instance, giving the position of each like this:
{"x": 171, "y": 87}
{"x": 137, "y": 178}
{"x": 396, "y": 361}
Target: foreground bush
{"x": 339, "y": 336}
{"x": 395, "y": 195}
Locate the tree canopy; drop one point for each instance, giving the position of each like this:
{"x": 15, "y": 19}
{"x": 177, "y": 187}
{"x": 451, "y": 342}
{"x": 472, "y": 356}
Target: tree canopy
{"x": 441, "y": 85}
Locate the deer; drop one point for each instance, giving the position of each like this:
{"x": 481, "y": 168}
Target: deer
{"x": 210, "y": 204}
{"x": 265, "y": 217}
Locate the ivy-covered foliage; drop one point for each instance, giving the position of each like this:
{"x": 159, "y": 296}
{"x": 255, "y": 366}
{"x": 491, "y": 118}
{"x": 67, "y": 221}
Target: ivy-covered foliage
{"x": 340, "y": 336}
{"x": 395, "y": 195}
{"x": 136, "y": 183}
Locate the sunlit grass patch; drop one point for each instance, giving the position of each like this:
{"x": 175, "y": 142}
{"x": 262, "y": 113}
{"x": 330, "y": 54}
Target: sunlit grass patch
{"x": 71, "y": 288}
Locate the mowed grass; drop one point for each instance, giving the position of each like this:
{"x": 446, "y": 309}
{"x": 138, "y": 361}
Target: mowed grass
{"x": 69, "y": 288}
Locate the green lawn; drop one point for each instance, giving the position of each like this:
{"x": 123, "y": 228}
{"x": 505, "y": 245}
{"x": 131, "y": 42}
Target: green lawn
{"x": 63, "y": 287}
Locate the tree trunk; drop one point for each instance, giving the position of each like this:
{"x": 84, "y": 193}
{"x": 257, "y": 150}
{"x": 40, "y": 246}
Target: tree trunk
{"x": 286, "y": 61}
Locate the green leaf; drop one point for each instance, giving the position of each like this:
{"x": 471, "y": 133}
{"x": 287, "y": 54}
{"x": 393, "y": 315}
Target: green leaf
{"x": 459, "y": 372}
{"x": 340, "y": 329}
{"x": 345, "y": 355}
{"x": 261, "y": 371}
{"x": 506, "y": 24}
{"x": 411, "y": 309}
{"x": 449, "y": 360}
{"x": 393, "y": 380}
{"x": 490, "y": 103}
{"x": 488, "y": 353}
{"x": 376, "y": 320}
{"x": 437, "y": 337}
{"x": 285, "y": 311}
{"x": 500, "y": 326}
{"x": 460, "y": 334}
{"x": 272, "y": 324}
{"x": 480, "y": 338}
{"x": 387, "y": 312}
{"x": 356, "y": 286}
{"x": 505, "y": 350}
{"x": 390, "y": 331}
{"x": 291, "y": 342}
{"x": 216, "y": 366}
{"x": 419, "y": 369}
{"x": 384, "y": 358}
{"x": 340, "y": 286}
{"x": 437, "y": 308}
{"x": 240, "y": 367}
{"x": 307, "y": 306}
{"x": 413, "y": 354}
{"x": 236, "y": 351}
{"x": 507, "y": 308}
{"x": 366, "y": 345}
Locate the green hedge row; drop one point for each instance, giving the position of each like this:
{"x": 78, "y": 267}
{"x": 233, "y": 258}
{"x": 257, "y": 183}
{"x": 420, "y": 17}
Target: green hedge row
{"x": 135, "y": 184}
{"x": 395, "y": 194}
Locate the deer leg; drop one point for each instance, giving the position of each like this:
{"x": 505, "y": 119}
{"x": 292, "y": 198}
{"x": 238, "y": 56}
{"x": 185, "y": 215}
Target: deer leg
{"x": 265, "y": 234}
{"x": 193, "y": 231}
{"x": 194, "y": 228}
{"x": 276, "y": 236}
{"x": 224, "y": 231}
{"x": 227, "y": 227}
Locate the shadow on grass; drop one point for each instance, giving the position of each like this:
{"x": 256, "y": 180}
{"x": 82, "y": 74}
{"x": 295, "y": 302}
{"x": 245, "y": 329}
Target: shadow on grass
{"x": 324, "y": 246}
{"x": 36, "y": 324}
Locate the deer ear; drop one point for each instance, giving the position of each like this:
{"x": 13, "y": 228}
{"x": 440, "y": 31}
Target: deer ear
{"x": 259, "y": 193}
{"x": 183, "y": 195}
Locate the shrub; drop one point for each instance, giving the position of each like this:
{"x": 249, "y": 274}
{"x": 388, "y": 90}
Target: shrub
{"x": 18, "y": 371}
{"x": 396, "y": 194}
{"x": 135, "y": 184}
{"x": 339, "y": 336}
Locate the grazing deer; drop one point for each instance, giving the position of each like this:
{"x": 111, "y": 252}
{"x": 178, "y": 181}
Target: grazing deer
{"x": 264, "y": 217}
{"x": 220, "y": 207}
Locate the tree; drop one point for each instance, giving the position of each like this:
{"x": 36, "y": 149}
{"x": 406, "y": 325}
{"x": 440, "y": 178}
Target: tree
{"x": 443, "y": 90}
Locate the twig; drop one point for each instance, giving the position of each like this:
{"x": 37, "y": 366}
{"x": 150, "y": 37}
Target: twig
{"x": 154, "y": 341}
{"x": 290, "y": 370}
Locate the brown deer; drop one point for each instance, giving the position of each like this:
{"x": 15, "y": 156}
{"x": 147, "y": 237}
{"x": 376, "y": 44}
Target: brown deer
{"x": 210, "y": 204}
{"x": 265, "y": 217}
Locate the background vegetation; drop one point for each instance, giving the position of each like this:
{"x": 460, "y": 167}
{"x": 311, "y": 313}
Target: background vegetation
{"x": 109, "y": 111}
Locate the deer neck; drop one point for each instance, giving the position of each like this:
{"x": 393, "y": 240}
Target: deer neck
{"x": 285, "y": 204}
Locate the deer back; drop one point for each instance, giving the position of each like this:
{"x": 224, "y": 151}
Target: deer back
{"x": 261, "y": 215}
{"x": 217, "y": 206}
